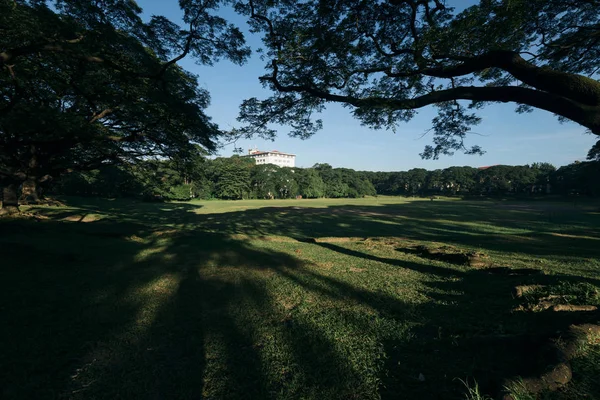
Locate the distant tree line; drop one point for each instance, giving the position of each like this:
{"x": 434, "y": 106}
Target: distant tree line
{"x": 240, "y": 178}
{"x": 230, "y": 178}
{"x": 579, "y": 178}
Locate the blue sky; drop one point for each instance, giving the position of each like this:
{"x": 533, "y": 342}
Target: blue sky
{"x": 507, "y": 137}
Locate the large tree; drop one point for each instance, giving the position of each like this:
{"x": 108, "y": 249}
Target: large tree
{"x": 310, "y": 184}
{"x": 594, "y": 153}
{"x": 231, "y": 177}
{"x": 84, "y": 83}
{"x": 385, "y": 59}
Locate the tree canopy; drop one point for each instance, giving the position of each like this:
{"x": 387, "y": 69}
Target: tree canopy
{"x": 86, "y": 83}
{"x": 385, "y": 59}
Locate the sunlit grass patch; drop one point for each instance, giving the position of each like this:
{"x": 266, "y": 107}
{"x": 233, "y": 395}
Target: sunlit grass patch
{"x": 571, "y": 236}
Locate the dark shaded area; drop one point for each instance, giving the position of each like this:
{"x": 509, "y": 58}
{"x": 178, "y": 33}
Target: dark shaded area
{"x": 70, "y": 305}
{"x": 478, "y": 335}
{"x": 69, "y": 313}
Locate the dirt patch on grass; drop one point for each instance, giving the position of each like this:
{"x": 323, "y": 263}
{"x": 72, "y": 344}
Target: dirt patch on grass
{"x": 559, "y": 373}
{"x": 514, "y": 271}
{"x": 522, "y": 290}
{"x": 82, "y": 218}
{"x": 332, "y": 240}
{"x": 447, "y": 254}
{"x": 324, "y": 265}
{"x": 339, "y": 239}
{"x": 166, "y": 232}
{"x": 287, "y": 304}
{"x": 563, "y": 347}
{"x": 563, "y": 296}
{"x": 136, "y": 239}
{"x": 573, "y": 307}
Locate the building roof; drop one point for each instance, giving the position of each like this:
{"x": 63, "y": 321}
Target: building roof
{"x": 259, "y": 152}
{"x": 489, "y": 166}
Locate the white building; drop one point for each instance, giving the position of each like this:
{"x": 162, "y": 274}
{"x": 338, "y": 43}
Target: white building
{"x": 272, "y": 157}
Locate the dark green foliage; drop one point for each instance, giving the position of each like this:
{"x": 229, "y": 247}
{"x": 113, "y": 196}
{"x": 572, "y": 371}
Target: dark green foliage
{"x": 594, "y": 153}
{"x": 263, "y": 185}
{"x": 231, "y": 177}
{"x": 385, "y": 60}
{"x": 310, "y": 183}
{"x": 459, "y": 179}
{"x": 88, "y": 83}
{"x": 238, "y": 178}
{"x": 335, "y": 185}
{"x": 494, "y": 180}
{"x": 578, "y": 179}
{"x": 285, "y": 183}
{"x": 110, "y": 181}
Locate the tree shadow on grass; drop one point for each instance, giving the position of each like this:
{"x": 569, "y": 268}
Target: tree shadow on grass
{"x": 471, "y": 330}
{"x": 107, "y": 310}
{"x": 154, "y": 315}
{"x": 84, "y": 209}
{"x": 465, "y": 224}
{"x": 60, "y": 298}
{"x": 565, "y": 232}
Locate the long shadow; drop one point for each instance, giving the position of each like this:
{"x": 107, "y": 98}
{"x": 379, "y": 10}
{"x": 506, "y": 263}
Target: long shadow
{"x": 62, "y": 285}
{"x": 423, "y": 268}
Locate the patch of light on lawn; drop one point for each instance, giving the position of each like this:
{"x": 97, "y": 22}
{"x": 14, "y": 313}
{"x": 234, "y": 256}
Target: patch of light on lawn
{"x": 147, "y": 253}
{"x": 152, "y": 296}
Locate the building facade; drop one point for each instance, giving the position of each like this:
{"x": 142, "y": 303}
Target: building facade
{"x": 273, "y": 157}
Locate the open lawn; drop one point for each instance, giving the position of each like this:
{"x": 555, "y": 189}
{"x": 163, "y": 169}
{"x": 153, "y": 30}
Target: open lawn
{"x": 298, "y": 299}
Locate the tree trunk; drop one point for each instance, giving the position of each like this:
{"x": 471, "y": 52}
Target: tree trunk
{"x": 10, "y": 199}
{"x": 30, "y": 193}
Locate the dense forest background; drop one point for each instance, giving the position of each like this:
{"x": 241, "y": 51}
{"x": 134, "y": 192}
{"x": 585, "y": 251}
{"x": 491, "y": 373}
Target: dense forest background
{"x": 236, "y": 177}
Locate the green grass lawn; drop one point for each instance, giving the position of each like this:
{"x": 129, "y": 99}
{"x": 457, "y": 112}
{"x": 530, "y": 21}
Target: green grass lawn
{"x": 297, "y": 299}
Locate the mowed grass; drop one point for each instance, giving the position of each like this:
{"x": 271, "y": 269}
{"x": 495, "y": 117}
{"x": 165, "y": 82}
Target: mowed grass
{"x": 297, "y": 299}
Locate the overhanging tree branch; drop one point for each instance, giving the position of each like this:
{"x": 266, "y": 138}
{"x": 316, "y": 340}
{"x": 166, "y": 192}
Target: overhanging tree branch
{"x": 577, "y": 87}
{"x": 581, "y": 113}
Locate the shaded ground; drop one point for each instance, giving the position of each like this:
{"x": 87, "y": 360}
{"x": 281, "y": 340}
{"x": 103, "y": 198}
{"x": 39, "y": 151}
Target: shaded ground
{"x": 112, "y": 299}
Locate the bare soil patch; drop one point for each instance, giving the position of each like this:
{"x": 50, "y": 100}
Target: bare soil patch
{"x": 562, "y": 349}
{"x": 447, "y": 254}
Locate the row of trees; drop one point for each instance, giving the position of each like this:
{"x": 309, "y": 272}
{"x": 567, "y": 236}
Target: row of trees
{"x": 240, "y": 178}
{"x": 500, "y": 179}
{"x": 579, "y": 178}
{"x": 222, "y": 178}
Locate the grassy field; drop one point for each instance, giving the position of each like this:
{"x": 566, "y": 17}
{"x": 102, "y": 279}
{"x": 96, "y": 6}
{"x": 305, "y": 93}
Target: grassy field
{"x": 297, "y": 299}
